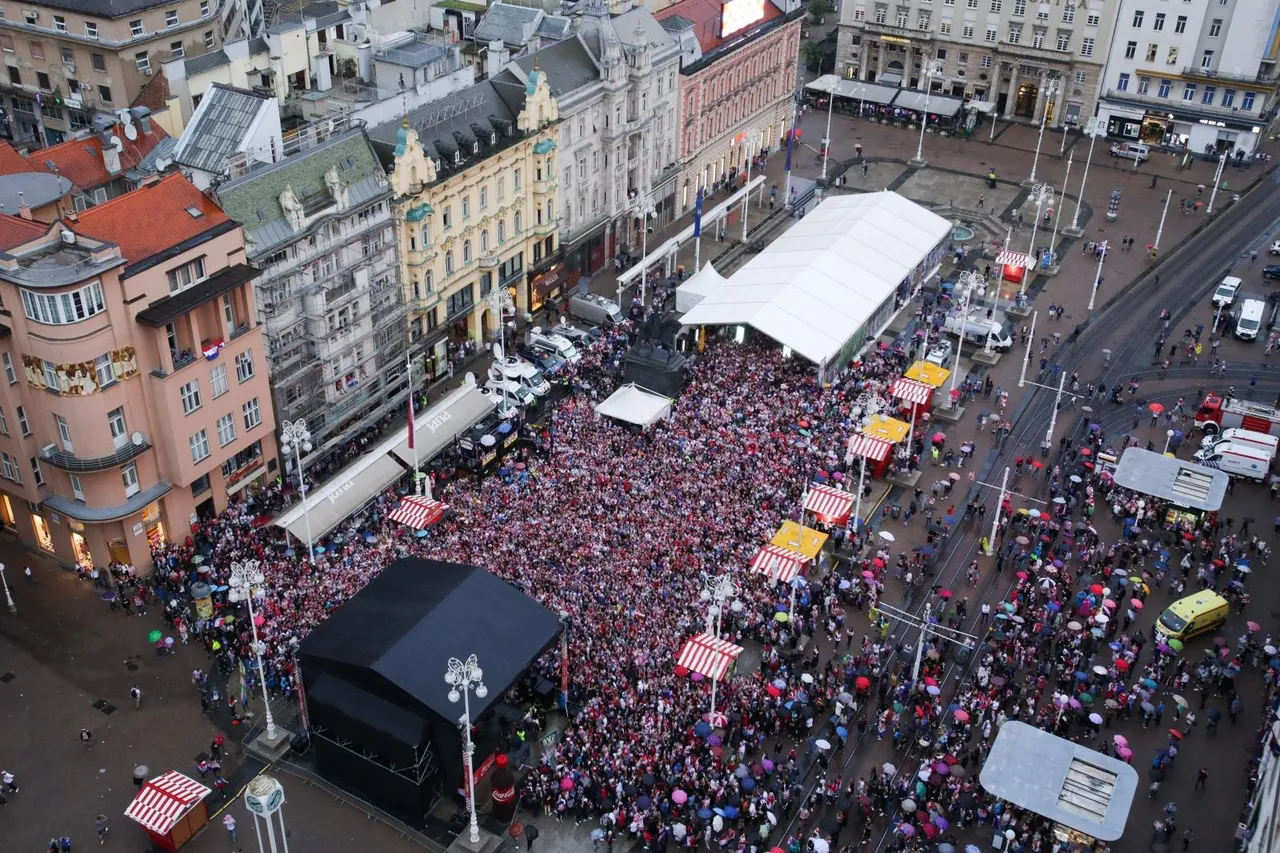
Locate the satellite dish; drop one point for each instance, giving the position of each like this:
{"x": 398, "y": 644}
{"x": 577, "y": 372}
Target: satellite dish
{"x": 130, "y": 132}
{"x": 497, "y": 352}
{"x": 469, "y": 380}
{"x": 116, "y": 143}
{"x": 495, "y": 375}
{"x": 138, "y": 440}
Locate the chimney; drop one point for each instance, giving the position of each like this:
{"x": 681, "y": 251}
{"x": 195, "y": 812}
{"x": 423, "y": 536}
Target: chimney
{"x": 143, "y": 116}
{"x": 110, "y": 153}
{"x": 23, "y": 210}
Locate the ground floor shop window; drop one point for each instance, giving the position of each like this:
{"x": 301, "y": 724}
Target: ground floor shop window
{"x": 43, "y": 537}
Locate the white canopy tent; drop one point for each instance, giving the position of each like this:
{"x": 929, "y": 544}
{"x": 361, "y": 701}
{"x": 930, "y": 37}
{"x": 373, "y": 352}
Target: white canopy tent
{"x": 697, "y": 287}
{"x": 833, "y": 273}
{"x": 635, "y": 405}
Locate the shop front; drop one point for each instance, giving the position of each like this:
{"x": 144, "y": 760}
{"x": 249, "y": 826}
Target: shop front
{"x": 550, "y": 280}
{"x": 588, "y": 252}
{"x": 1197, "y": 130}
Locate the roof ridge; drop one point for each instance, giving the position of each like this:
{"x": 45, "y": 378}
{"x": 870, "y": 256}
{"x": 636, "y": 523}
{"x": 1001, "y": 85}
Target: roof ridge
{"x": 93, "y": 212}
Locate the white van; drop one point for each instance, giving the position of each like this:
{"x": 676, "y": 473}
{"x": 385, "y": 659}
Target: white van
{"x": 977, "y": 327}
{"x": 513, "y": 367}
{"x": 1131, "y": 150}
{"x": 596, "y": 309}
{"x": 1238, "y": 460}
{"x": 551, "y": 342}
{"x": 1249, "y": 319}
{"x": 1264, "y": 442}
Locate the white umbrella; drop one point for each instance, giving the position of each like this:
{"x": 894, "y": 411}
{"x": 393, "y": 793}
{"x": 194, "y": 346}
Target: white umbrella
{"x": 885, "y": 535}
{"x": 819, "y": 845}
{"x": 822, "y": 743}
{"x": 888, "y": 769}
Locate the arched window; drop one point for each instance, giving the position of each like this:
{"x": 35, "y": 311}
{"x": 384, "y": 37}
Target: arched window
{"x": 516, "y": 222}
{"x": 484, "y": 242}
{"x": 502, "y": 231}
{"x": 448, "y": 262}
{"x": 551, "y": 212}
{"x": 428, "y": 282}
{"x": 466, "y": 251}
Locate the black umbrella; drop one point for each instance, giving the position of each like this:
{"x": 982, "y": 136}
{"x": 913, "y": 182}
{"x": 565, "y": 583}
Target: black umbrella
{"x": 530, "y": 831}
{"x": 1213, "y": 714}
{"x": 647, "y": 780}
{"x": 843, "y": 804}
{"x": 829, "y": 825}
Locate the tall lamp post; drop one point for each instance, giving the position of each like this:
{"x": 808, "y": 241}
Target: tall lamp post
{"x": 1217, "y": 182}
{"x": 969, "y": 283}
{"x": 1093, "y": 128}
{"x": 644, "y": 211}
{"x": 717, "y": 592}
{"x": 244, "y": 577}
{"x": 295, "y": 436}
{"x": 932, "y": 68}
{"x": 1041, "y": 194}
{"x": 462, "y": 678}
{"x": 1097, "y": 276}
{"x": 749, "y": 144}
{"x": 8, "y": 597}
{"x": 1051, "y": 87}
{"x": 826, "y": 140}
{"x": 871, "y": 405}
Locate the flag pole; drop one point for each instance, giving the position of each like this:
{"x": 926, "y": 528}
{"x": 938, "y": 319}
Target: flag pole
{"x": 697, "y": 232}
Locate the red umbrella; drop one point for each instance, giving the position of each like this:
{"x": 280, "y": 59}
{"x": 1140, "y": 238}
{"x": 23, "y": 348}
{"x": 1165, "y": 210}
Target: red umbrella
{"x": 1155, "y": 408}
{"x": 681, "y": 671}
{"x": 862, "y": 682}
{"x": 1135, "y": 603}
{"x": 1037, "y": 464}
{"x": 1022, "y": 576}
{"x": 962, "y": 715}
{"x": 773, "y": 691}
{"x": 878, "y": 563}
{"x": 1122, "y": 665}
{"x": 1084, "y": 451}
{"x": 1096, "y": 589}
{"x": 1253, "y": 626}
{"x": 945, "y": 593}
{"x": 1177, "y": 734}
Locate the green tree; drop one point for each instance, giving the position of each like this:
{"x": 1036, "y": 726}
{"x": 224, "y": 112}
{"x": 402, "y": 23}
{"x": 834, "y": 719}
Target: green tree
{"x": 819, "y": 9}
{"x": 812, "y": 54}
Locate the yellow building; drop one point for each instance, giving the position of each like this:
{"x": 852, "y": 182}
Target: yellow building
{"x": 474, "y": 202}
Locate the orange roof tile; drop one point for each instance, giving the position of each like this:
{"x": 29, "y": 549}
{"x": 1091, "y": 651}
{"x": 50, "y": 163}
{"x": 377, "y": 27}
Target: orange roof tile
{"x": 11, "y": 162}
{"x": 707, "y": 19}
{"x": 152, "y": 218}
{"x": 14, "y": 230}
{"x": 80, "y": 160}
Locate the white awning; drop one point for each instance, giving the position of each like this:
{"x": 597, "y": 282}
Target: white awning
{"x": 439, "y": 425}
{"x": 328, "y": 505}
{"x": 829, "y": 275}
{"x": 697, "y": 287}
{"x": 937, "y": 104}
{"x": 635, "y": 405}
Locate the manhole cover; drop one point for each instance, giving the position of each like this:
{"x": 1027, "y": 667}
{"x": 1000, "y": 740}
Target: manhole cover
{"x": 131, "y": 666}
{"x": 7, "y": 677}
{"x": 104, "y": 706}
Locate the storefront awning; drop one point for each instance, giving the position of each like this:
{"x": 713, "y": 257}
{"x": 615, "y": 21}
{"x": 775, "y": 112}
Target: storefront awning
{"x": 707, "y": 656}
{"x": 779, "y": 564}
{"x": 936, "y": 104}
{"x": 1006, "y": 258}
{"x": 162, "y": 802}
{"x": 870, "y": 447}
{"x": 327, "y": 506}
{"x": 832, "y": 504}
{"x": 911, "y": 391}
{"x": 418, "y": 513}
{"x": 440, "y": 424}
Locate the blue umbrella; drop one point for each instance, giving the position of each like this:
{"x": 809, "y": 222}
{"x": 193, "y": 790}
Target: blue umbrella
{"x": 290, "y": 552}
{"x": 1122, "y": 581}
{"x": 1149, "y": 683}
{"x": 841, "y": 731}
{"x": 748, "y": 784}
{"x": 320, "y": 549}
{"x": 1115, "y": 645}
{"x": 730, "y": 812}
{"x": 1082, "y": 676}
{"x": 718, "y": 810}
{"x": 644, "y": 804}
{"x": 1053, "y": 607}
{"x": 702, "y": 729}
{"x": 705, "y": 814}
{"x": 504, "y": 428}
{"x": 421, "y": 534}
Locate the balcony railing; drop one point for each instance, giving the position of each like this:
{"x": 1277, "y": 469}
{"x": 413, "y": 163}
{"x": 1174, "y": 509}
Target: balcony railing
{"x": 1224, "y": 76}
{"x": 78, "y": 464}
{"x": 1189, "y": 108}
{"x": 894, "y": 30}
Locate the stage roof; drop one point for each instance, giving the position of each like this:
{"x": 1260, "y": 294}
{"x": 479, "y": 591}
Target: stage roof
{"x": 406, "y": 624}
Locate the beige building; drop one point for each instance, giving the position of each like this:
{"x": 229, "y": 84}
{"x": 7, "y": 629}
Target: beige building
{"x": 66, "y": 58}
{"x": 133, "y": 386}
{"x": 473, "y": 181}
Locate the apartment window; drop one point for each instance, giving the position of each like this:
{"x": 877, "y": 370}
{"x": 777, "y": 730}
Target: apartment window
{"x": 6, "y": 44}
{"x": 1015, "y": 33}
{"x": 36, "y": 472}
{"x": 1093, "y": 19}
{"x": 4, "y": 423}
{"x": 1064, "y": 40}
{"x": 180, "y": 278}
{"x": 200, "y": 485}
{"x": 1180, "y": 25}
{"x": 204, "y": 8}
{"x": 1069, "y": 13}
{"x": 1246, "y": 102}
{"x": 448, "y": 262}
{"x": 64, "y": 430}
{"x": 1189, "y": 92}
{"x": 1206, "y": 59}
{"x": 1130, "y": 50}
{"x": 1037, "y": 39}
{"x": 446, "y": 218}
{"x": 973, "y": 4}
{"x": 90, "y": 30}
{"x": 966, "y": 31}
{"x": 226, "y": 429}
{"x": 68, "y": 58}
{"x": 176, "y": 50}
{"x": 466, "y": 207}
{"x": 1158, "y": 24}
{"x": 996, "y": 5}
{"x": 98, "y": 61}
{"x": 60, "y": 23}
{"x": 1086, "y": 46}
{"x": 9, "y": 373}
{"x": 37, "y": 49}
{"x": 77, "y": 488}
{"x": 1122, "y": 85}
{"x": 1151, "y": 52}
{"x": 1165, "y": 86}
{"x": 515, "y": 179}
{"x": 986, "y": 60}
{"x": 516, "y": 222}
{"x": 199, "y": 446}
{"x": 1173, "y": 56}
{"x": 991, "y": 34}
{"x": 922, "y": 22}
{"x": 42, "y": 80}
{"x": 244, "y": 366}
{"x": 190, "y": 394}
{"x": 136, "y": 28}
{"x": 902, "y": 17}
{"x": 252, "y": 414}
{"x": 10, "y": 467}
{"x": 1228, "y": 97}
{"x": 1019, "y": 7}
{"x": 119, "y": 429}
{"x": 14, "y": 77}
{"x": 209, "y": 41}
{"x": 24, "y": 425}
{"x": 104, "y": 94}
{"x": 1082, "y": 77}
{"x": 945, "y": 28}
{"x": 105, "y": 370}
{"x": 1209, "y": 93}
{"x": 1137, "y": 19}
{"x": 1215, "y": 28}
{"x": 171, "y": 18}
{"x": 60, "y": 309}
{"x": 502, "y": 231}
{"x": 129, "y": 476}
{"x": 51, "y": 375}
{"x": 1144, "y": 83}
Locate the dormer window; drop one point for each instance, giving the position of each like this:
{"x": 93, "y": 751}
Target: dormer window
{"x": 493, "y": 138}
{"x": 457, "y": 157}
{"x": 475, "y": 147}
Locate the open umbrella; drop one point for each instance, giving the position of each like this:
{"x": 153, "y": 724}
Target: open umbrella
{"x": 885, "y": 535}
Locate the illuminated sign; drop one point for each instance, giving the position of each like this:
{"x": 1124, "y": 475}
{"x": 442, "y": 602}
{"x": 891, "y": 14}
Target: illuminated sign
{"x": 739, "y": 14}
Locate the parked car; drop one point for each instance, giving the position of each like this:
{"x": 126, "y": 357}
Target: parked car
{"x": 1225, "y": 295}
{"x": 1272, "y": 271}
{"x": 548, "y": 362}
{"x": 1139, "y": 151}
{"x": 1275, "y": 248}
{"x": 578, "y": 337}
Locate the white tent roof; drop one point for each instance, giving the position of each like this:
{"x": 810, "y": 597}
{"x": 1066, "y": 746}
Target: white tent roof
{"x": 697, "y": 287}
{"x": 817, "y": 284}
{"x": 635, "y": 405}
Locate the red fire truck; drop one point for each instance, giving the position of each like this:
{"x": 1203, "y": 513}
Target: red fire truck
{"x": 1216, "y": 414}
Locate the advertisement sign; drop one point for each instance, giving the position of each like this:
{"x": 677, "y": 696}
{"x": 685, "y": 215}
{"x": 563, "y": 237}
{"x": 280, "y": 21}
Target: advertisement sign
{"x": 739, "y": 14}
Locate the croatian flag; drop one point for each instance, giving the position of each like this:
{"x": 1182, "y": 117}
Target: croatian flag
{"x": 212, "y": 349}
{"x": 697, "y": 215}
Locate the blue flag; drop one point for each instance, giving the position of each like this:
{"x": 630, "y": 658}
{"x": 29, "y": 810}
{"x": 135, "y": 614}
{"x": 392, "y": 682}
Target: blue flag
{"x": 791, "y": 135}
{"x": 697, "y": 215}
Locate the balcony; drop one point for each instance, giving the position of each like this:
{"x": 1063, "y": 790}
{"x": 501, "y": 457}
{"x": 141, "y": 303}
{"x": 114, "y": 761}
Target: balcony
{"x": 83, "y": 465}
{"x": 897, "y": 32}
{"x": 1026, "y": 51}
{"x": 81, "y": 511}
{"x": 488, "y": 262}
{"x": 1221, "y": 76}
{"x": 544, "y": 228}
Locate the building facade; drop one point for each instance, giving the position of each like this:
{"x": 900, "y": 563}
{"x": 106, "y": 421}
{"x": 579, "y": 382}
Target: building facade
{"x": 615, "y": 83}
{"x": 1004, "y": 52}
{"x": 318, "y": 225}
{"x": 474, "y": 183}
{"x": 134, "y": 397}
{"x": 1196, "y": 75}
{"x": 737, "y": 88}
{"x": 67, "y": 58}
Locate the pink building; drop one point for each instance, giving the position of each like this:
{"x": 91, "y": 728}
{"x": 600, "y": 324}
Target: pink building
{"x": 737, "y": 84}
{"x": 133, "y": 382}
